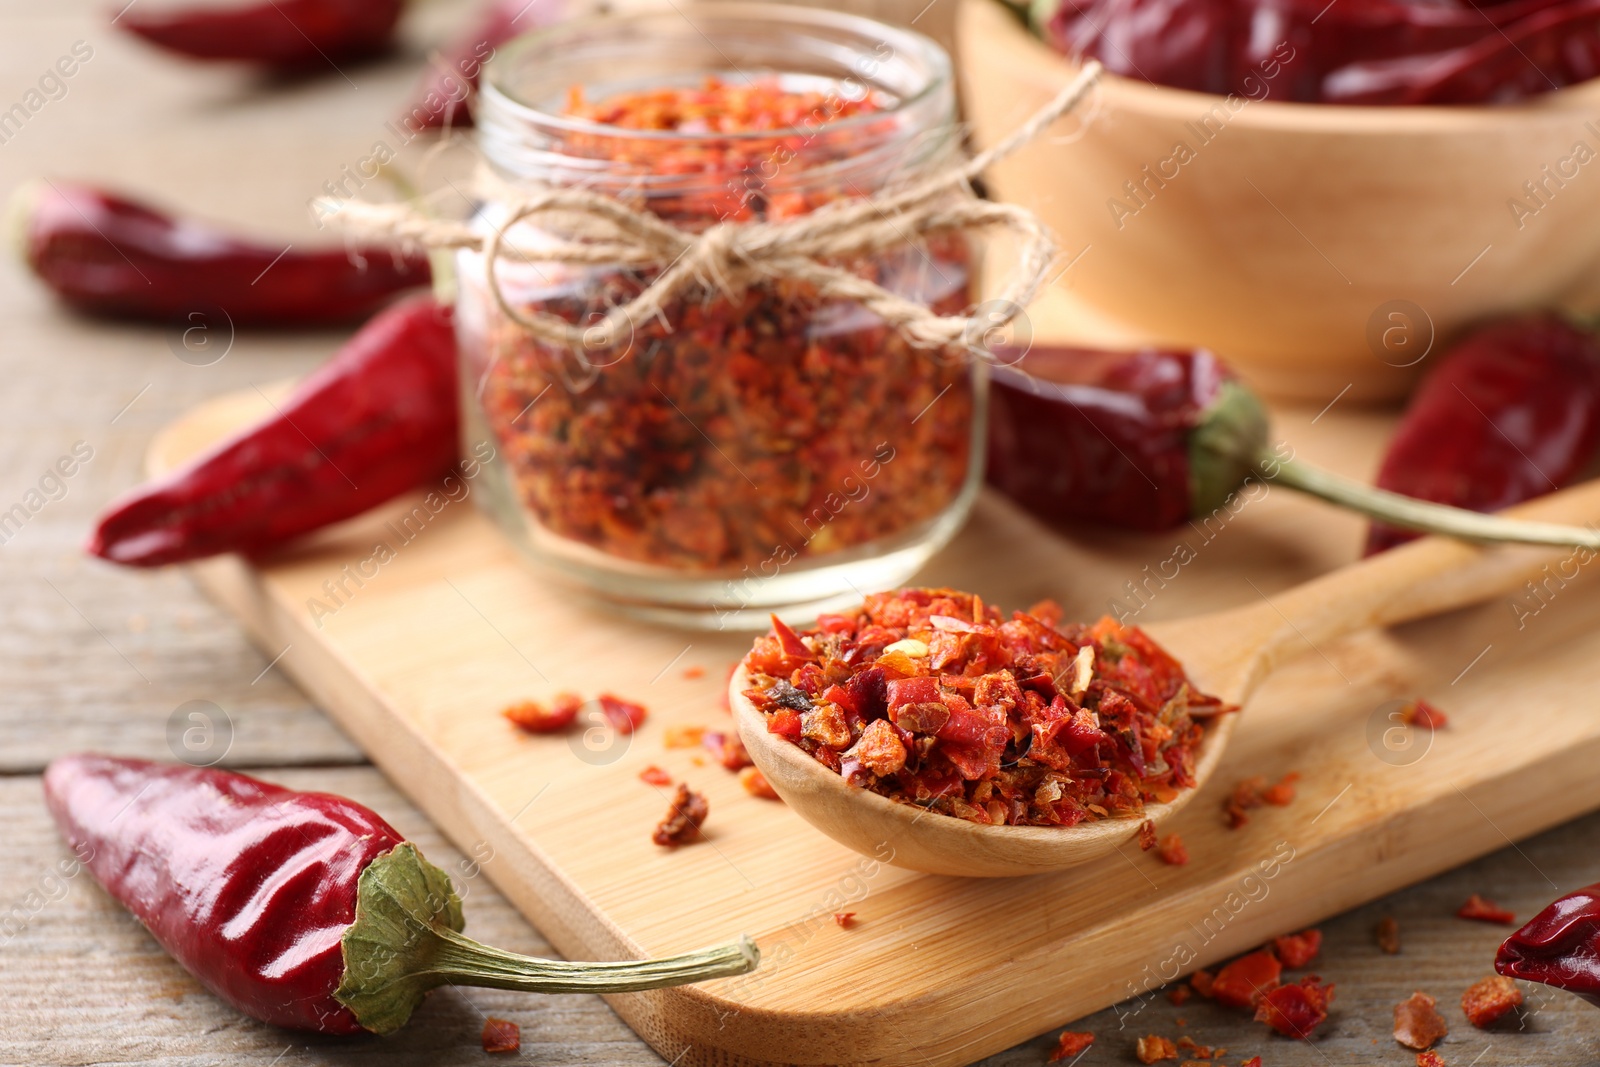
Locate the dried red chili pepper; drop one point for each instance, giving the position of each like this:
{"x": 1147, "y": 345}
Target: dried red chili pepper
{"x": 1070, "y": 1045}
{"x": 1296, "y": 1010}
{"x": 1243, "y": 982}
{"x": 1362, "y": 52}
{"x": 1155, "y": 438}
{"x": 1298, "y": 950}
{"x": 1510, "y": 412}
{"x": 289, "y": 35}
{"x": 443, "y": 95}
{"x": 1487, "y": 1001}
{"x": 1417, "y": 1022}
{"x": 1559, "y": 947}
{"x": 377, "y": 419}
{"x": 1486, "y": 911}
{"x": 930, "y": 697}
{"x": 501, "y": 1035}
{"x": 536, "y": 718}
{"x": 683, "y": 820}
{"x": 357, "y": 926}
{"x": 105, "y": 254}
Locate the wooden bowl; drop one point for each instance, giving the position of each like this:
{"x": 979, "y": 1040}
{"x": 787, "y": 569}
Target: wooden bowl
{"x": 1311, "y": 245}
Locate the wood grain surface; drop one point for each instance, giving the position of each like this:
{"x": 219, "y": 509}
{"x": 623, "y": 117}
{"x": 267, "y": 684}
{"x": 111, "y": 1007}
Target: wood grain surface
{"x": 98, "y": 657}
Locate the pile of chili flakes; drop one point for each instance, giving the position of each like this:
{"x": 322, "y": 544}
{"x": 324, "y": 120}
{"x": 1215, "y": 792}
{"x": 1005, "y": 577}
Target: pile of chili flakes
{"x": 932, "y": 698}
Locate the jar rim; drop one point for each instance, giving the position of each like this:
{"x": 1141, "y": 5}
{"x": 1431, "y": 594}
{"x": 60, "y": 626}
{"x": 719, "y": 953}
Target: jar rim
{"x": 936, "y": 63}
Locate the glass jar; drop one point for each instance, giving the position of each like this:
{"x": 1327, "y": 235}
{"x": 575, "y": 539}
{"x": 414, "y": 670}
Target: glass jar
{"x": 746, "y": 452}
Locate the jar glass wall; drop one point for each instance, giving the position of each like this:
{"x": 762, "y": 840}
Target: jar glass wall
{"x": 751, "y": 449}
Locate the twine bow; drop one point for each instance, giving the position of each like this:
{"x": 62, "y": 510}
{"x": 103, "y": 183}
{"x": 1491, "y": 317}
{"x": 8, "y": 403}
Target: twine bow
{"x": 592, "y": 229}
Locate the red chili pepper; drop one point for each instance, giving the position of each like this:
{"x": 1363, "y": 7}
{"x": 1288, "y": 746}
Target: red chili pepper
{"x": 376, "y": 420}
{"x": 1559, "y": 947}
{"x": 303, "y": 910}
{"x": 1154, "y": 438}
{"x": 1296, "y": 1010}
{"x": 1242, "y": 983}
{"x": 107, "y": 255}
{"x": 452, "y": 76}
{"x": 1510, "y": 413}
{"x": 279, "y": 34}
{"x": 1358, "y": 51}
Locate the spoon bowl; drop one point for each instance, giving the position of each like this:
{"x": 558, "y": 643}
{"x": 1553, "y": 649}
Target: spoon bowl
{"x": 1226, "y": 654}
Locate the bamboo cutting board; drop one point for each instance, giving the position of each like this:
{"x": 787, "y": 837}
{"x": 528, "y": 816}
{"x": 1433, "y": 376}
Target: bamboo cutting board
{"x": 416, "y": 656}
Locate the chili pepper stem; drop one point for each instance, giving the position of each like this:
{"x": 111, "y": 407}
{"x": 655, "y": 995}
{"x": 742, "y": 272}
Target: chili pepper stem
{"x": 406, "y": 939}
{"x": 1412, "y": 514}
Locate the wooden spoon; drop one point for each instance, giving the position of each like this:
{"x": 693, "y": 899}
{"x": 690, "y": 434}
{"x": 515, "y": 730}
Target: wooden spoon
{"x": 1227, "y": 653}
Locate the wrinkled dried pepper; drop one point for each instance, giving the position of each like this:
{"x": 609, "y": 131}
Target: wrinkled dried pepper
{"x": 1559, "y": 947}
{"x": 287, "y": 35}
{"x": 304, "y": 910}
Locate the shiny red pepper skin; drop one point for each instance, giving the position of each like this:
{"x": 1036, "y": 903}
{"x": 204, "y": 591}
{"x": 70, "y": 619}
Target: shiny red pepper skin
{"x": 376, "y": 420}
{"x": 1559, "y": 947}
{"x": 249, "y": 885}
{"x": 442, "y": 97}
{"x": 104, "y": 254}
{"x": 1355, "y": 52}
{"x": 1510, "y": 413}
{"x": 1100, "y": 436}
{"x": 288, "y": 35}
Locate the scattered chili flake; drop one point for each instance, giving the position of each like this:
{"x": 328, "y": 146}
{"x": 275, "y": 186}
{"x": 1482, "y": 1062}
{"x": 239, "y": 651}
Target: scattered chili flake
{"x": 1201, "y": 982}
{"x": 1298, "y": 950}
{"x": 979, "y": 727}
{"x": 1047, "y": 611}
{"x": 1388, "y": 935}
{"x": 1417, "y": 1022}
{"x": 693, "y": 672}
{"x": 1421, "y": 713}
{"x": 1246, "y": 795}
{"x": 1070, "y": 1045}
{"x": 683, "y": 736}
{"x": 1153, "y": 1048}
{"x": 1485, "y": 911}
{"x": 683, "y": 820}
{"x": 1195, "y": 1063}
{"x": 655, "y": 776}
{"x": 1253, "y": 1061}
{"x": 537, "y": 718}
{"x": 501, "y": 1035}
{"x": 727, "y": 748}
{"x": 1430, "y": 1059}
{"x": 1488, "y": 1000}
{"x": 1172, "y": 850}
{"x": 1189, "y": 1044}
{"x": 1242, "y": 983}
{"x": 844, "y": 920}
{"x": 1147, "y": 836}
{"x": 1296, "y": 1010}
{"x": 1179, "y": 994}
{"x": 755, "y": 783}
{"x": 1281, "y": 793}
{"x": 624, "y": 715}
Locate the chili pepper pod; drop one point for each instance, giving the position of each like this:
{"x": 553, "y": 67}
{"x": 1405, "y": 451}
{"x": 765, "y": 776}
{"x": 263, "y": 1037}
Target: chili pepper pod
{"x": 377, "y": 419}
{"x": 105, "y": 254}
{"x": 1559, "y": 947}
{"x": 1509, "y": 413}
{"x": 287, "y": 35}
{"x": 442, "y": 97}
{"x": 304, "y": 910}
{"x": 1153, "y": 438}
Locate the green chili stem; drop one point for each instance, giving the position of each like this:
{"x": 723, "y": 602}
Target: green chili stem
{"x": 1412, "y": 514}
{"x": 462, "y": 961}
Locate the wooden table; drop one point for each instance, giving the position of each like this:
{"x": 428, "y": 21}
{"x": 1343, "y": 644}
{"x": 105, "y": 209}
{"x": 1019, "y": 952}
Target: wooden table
{"x": 96, "y": 657}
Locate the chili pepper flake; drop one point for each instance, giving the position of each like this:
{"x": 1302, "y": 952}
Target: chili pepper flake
{"x": 1486, "y": 911}
{"x": 693, "y": 672}
{"x": 1202, "y": 982}
{"x": 683, "y": 736}
{"x": 683, "y": 820}
{"x": 655, "y": 776}
{"x": 1190, "y": 1045}
{"x": 536, "y": 718}
{"x": 1298, "y": 950}
{"x": 755, "y": 783}
{"x": 1070, "y": 1045}
{"x": 844, "y": 920}
{"x": 1179, "y": 994}
{"x": 980, "y": 728}
{"x": 1154, "y": 1048}
{"x": 1417, "y": 1022}
{"x": 1421, "y": 713}
{"x": 1281, "y": 793}
{"x": 727, "y": 748}
{"x": 1296, "y": 1010}
{"x": 1253, "y": 1061}
{"x": 1173, "y": 851}
{"x": 1253, "y": 792}
{"x": 1388, "y": 935}
{"x": 1147, "y": 836}
{"x": 1430, "y": 1059}
{"x": 501, "y": 1035}
{"x": 1487, "y": 1001}
{"x": 1243, "y": 982}
{"x": 624, "y": 715}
